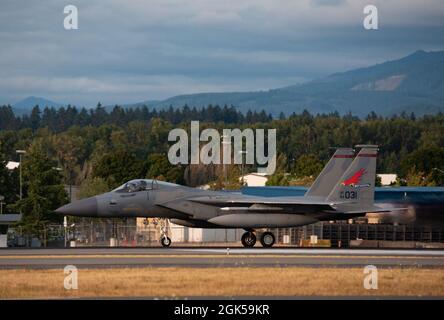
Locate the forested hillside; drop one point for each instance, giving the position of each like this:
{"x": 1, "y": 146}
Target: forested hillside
{"x": 126, "y": 143}
{"x": 99, "y": 150}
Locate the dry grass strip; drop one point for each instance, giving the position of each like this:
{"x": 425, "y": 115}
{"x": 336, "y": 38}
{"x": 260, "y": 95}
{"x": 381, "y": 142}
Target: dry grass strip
{"x": 172, "y": 282}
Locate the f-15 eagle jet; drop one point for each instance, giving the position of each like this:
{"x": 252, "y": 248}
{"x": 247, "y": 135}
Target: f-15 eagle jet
{"x": 343, "y": 190}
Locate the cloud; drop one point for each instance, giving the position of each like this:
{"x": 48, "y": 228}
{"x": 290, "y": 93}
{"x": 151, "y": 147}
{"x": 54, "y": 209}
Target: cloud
{"x": 138, "y": 50}
{"x": 328, "y": 2}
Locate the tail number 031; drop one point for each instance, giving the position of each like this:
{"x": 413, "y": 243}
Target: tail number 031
{"x": 348, "y": 195}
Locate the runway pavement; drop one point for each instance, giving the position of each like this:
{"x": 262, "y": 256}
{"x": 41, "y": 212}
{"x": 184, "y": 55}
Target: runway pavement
{"x": 216, "y": 257}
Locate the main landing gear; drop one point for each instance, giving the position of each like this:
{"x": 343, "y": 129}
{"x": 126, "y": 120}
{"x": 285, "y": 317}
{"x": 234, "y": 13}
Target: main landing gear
{"x": 267, "y": 239}
{"x": 248, "y": 239}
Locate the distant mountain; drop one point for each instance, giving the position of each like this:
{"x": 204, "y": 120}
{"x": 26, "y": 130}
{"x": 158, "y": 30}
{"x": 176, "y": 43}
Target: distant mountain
{"x": 413, "y": 83}
{"x": 26, "y": 105}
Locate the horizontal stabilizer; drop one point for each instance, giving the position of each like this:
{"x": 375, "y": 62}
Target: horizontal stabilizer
{"x": 376, "y": 210}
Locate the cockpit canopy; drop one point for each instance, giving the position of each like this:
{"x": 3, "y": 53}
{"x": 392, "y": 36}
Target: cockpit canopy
{"x": 137, "y": 185}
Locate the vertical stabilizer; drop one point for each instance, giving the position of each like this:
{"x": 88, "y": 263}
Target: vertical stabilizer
{"x": 333, "y": 170}
{"x": 356, "y": 188}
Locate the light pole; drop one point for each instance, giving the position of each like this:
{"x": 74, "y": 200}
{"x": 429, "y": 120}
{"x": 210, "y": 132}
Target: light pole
{"x": 2, "y": 198}
{"x": 242, "y": 165}
{"x": 65, "y": 218}
{"x": 437, "y": 169}
{"x": 70, "y": 188}
{"x": 226, "y": 142}
{"x": 65, "y": 225}
{"x": 21, "y": 153}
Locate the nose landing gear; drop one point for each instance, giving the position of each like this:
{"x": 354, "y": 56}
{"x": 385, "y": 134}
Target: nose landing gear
{"x": 165, "y": 241}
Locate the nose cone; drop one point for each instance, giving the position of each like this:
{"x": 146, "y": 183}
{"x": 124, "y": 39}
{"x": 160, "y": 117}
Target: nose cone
{"x": 83, "y": 208}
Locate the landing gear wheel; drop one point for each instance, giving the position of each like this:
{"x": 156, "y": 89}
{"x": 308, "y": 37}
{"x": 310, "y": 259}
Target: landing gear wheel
{"x": 248, "y": 239}
{"x": 165, "y": 241}
{"x": 267, "y": 239}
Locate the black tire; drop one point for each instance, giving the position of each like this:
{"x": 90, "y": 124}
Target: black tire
{"x": 165, "y": 241}
{"x": 267, "y": 239}
{"x": 248, "y": 239}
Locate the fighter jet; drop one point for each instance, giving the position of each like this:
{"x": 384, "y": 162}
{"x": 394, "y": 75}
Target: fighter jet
{"x": 343, "y": 190}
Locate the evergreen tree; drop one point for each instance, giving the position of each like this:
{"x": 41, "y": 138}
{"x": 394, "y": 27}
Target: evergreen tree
{"x": 160, "y": 168}
{"x": 9, "y": 185}
{"x": 119, "y": 167}
{"x": 43, "y": 191}
{"x": 93, "y": 186}
{"x": 35, "y": 118}
{"x": 307, "y": 166}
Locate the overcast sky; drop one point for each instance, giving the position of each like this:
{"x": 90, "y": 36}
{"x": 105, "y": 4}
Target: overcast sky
{"x": 133, "y": 50}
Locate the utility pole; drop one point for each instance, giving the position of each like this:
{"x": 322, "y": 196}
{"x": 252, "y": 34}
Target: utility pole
{"x": 20, "y": 153}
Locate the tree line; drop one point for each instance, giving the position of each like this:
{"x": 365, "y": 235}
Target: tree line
{"x": 61, "y": 119}
{"x": 100, "y": 149}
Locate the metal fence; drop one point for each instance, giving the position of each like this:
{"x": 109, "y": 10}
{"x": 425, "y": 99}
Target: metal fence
{"x": 132, "y": 232}
{"x": 340, "y": 234}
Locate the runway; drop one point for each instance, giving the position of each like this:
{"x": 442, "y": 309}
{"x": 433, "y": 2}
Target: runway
{"x": 216, "y": 257}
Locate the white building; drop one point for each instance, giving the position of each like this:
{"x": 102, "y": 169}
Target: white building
{"x": 11, "y": 165}
{"x": 255, "y": 179}
{"x": 387, "y": 178}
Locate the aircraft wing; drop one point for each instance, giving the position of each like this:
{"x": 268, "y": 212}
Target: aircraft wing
{"x": 282, "y": 204}
{"x": 179, "y": 205}
{"x": 259, "y": 204}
